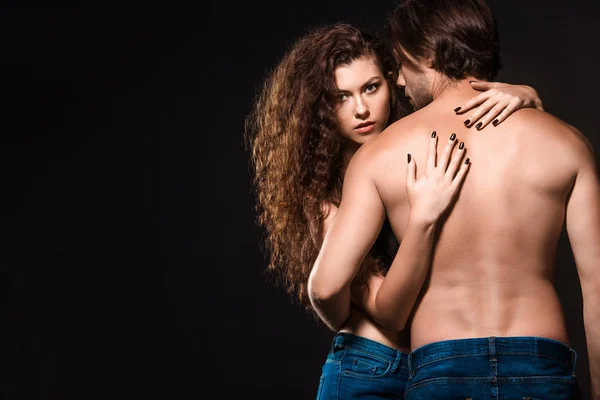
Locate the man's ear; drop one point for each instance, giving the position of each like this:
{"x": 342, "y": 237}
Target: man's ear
{"x": 429, "y": 63}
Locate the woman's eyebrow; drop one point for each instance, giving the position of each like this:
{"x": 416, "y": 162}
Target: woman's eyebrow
{"x": 367, "y": 83}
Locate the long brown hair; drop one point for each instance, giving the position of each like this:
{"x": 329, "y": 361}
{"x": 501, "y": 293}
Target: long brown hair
{"x": 296, "y": 150}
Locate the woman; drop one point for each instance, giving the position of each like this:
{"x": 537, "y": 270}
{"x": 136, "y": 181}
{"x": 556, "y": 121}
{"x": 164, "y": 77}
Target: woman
{"x": 302, "y": 136}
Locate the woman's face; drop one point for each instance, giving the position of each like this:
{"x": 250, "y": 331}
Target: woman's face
{"x": 363, "y": 104}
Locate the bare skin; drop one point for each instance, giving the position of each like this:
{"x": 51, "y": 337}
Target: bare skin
{"x": 363, "y": 101}
{"x": 494, "y": 257}
{"x": 359, "y": 322}
{"x": 492, "y": 266}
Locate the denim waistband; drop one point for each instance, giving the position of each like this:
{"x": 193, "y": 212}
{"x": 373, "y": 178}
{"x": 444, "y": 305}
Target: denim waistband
{"x": 492, "y": 346}
{"x": 344, "y": 340}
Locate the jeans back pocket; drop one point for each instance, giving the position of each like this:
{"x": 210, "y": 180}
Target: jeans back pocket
{"x": 358, "y": 363}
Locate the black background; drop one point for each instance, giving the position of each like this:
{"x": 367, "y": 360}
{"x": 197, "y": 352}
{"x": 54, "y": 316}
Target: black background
{"x": 131, "y": 264}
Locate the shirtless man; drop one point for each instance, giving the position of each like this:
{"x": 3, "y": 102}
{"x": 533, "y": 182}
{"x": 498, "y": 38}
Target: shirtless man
{"x": 486, "y": 320}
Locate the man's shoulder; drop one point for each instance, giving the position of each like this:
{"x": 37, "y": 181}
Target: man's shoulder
{"x": 535, "y": 118}
{"x": 372, "y": 153}
{"x": 396, "y": 136}
{"x": 538, "y": 119}
{"x": 548, "y": 126}
{"x": 405, "y": 127}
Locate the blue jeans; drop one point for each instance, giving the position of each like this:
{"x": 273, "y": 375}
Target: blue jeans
{"x": 499, "y": 368}
{"x": 360, "y": 368}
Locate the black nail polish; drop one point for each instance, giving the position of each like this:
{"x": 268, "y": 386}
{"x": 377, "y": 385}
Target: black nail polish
{"x": 433, "y": 134}
{"x": 453, "y": 136}
{"x": 461, "y": 145}
{"x": 467, "y": 122}
{"x": 478, "y": 126}
{"x": 467, "y": 160}
{"x": 457, "y": 109}
{"x": 408, "y": 157}
{"x": 495, "y": 122}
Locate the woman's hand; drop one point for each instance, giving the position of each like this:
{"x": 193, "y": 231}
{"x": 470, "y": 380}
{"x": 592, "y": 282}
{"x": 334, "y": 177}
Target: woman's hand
{"x": 431, "y": 195}
{"x": 497, "y": 102}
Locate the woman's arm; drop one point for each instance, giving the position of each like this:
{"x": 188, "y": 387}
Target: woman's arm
{"x": 497, "y": 102}
{"x": 390, "y": 300}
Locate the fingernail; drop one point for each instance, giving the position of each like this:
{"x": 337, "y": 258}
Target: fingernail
{"x": 453, "y": 136}
{"x": 461, "y": 145}
{"x": 457, "y": 109}
{"x": 479, "y": 125}
{"x": 467, "y": 160}
{"x": 495, "y": 122}
{"x": 472, "y": 81}
{"x": 408, "y": 157}
{"x": 467, "y": 122}
{"x": 433, "y": 134}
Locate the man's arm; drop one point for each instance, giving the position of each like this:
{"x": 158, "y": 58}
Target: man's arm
{"x": 583, "y": 228}
{"x": 350, "y": 237}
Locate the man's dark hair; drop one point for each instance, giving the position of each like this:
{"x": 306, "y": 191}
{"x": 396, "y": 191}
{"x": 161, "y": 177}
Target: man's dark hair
{"x": 458, "y": 38}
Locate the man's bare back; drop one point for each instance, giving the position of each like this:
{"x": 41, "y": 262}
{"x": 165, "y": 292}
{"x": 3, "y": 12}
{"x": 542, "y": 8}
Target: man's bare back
{"x": 486, "y": 278}
{"x": 493, "y": 262}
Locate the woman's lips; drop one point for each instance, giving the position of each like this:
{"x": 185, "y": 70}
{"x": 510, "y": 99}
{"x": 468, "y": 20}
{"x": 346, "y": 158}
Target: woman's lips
{"x": 365, "y": 128}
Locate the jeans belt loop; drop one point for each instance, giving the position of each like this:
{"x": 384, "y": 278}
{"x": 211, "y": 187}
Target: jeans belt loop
{"x": 573, "y": 360}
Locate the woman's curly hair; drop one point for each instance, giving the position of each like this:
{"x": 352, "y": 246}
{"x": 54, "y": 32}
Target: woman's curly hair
{"x": 296, "y": 150}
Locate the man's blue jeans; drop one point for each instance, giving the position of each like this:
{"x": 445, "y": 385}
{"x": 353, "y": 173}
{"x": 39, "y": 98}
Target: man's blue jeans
{"x": 499, "y": 368}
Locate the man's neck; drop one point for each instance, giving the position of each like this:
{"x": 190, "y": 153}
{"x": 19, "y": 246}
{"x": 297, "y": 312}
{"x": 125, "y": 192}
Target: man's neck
{"x": 445, "y": 88}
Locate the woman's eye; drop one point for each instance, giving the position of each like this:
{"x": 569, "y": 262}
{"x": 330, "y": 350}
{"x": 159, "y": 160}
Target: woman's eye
{"x": 371, "y": 88}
